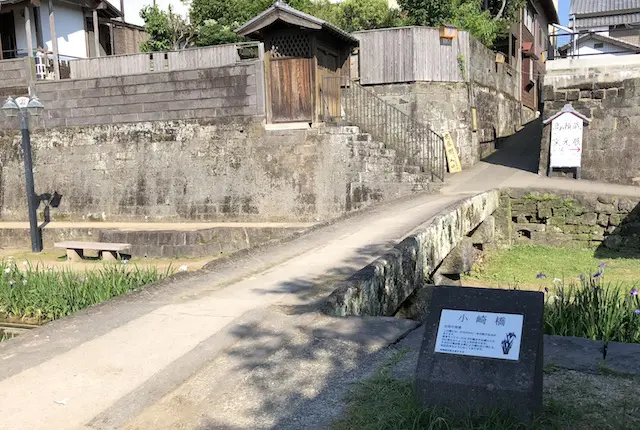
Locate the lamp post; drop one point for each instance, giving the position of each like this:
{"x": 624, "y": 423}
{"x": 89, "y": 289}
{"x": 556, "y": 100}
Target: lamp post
{"x": 24, "y": 107}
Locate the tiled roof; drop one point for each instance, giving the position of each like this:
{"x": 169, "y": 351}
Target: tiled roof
{"x": 597, "y": 7}
{"x": 605, "y": 21}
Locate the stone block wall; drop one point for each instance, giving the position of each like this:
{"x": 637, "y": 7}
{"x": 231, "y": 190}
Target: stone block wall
{"x": 610, "y": 150}
{"x": 572, "y": 219}
{"x": 222, "y": 169}
{"x": 161, "y": 96}
{"x": 15, "y": 76}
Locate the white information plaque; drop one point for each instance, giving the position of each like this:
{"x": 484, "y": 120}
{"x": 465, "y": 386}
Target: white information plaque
{"x": 479, "y": 334}
{"x": 566, "y": 141}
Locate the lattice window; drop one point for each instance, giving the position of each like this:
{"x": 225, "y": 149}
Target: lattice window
{"x": 290, "y": 45}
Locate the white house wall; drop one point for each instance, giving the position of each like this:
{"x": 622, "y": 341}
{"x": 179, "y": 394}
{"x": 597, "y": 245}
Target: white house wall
{"x": 132, "y": 8}
{"x": 587, "y": 48}
{"x": 70, "y": 31}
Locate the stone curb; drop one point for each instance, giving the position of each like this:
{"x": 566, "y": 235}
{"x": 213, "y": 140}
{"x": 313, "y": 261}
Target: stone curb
{"x": 622, "y": 358}
{"x": 563, "y": 352}
{"x": 574, "y": 353}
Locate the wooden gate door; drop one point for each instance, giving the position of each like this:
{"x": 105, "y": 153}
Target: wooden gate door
{"x": 290, "y": 89}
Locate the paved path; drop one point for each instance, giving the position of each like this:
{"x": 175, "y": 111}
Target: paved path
{"x": 237, "y": 345}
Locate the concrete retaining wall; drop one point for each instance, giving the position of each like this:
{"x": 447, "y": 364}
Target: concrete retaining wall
{"x": 381, "y": 287}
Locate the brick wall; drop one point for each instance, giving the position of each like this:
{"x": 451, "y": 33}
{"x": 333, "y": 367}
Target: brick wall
{"x": 610, "y": 149}
{"x": 216, "y": 169}
{"x": 15, "y": 76}
{"x": 190, "y": 94}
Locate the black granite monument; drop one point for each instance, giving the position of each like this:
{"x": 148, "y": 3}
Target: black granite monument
{"x": 482, "y": 352}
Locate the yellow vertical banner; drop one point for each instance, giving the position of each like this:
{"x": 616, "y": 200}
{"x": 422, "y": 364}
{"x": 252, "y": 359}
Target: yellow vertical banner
{"x": 453, "y": 161}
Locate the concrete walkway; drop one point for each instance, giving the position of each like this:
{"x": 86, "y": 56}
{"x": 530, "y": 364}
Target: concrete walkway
{"x": 238, "y": 345}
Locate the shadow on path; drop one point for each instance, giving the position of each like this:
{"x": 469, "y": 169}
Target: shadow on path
{"x": 521, "y": 150}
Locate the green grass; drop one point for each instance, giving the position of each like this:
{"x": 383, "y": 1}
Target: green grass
{"x": 385, "y": 403}
{"x": 577, "y": 304}
{"x": 37, "y": 294}
{"x": 5, "y": 336}
{"x": 572, "y": 401}
{"x": 519, "y": 265}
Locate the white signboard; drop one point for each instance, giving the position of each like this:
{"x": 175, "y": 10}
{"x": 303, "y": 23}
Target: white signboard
{"x": 479, "y": 334}
{"x": 566, "y": 141}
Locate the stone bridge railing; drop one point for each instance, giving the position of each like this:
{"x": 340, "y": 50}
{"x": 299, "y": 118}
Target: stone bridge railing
{"x": 384, "y": 285}
{"x": 399, "y": 283}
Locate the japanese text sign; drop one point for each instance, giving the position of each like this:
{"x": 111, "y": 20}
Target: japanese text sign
{"x": 479, "y": 334}
{"x": 566, "y": 141}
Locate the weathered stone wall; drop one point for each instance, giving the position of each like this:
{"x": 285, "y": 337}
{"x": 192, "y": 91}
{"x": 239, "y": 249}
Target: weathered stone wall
{"x": 446, "y": 106}
{"x": 161, "y": 96}
{"x": 609, "y": 147}
{"x": 207, "y": 242}
{"x": 381, "y": 287}
{"x": 224, "y": 169}
{"x": 571, "y": 219}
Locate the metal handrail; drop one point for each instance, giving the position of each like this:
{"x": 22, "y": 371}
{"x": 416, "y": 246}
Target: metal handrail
{"x": 414, "y": 143}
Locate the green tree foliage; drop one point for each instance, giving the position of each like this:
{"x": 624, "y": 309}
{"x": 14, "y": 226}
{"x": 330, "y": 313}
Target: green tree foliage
{"x": 469, "y": 16}
{"x": 216, "y": 20}
{"x": 486, "y": 25}
{"x": 428, "y": 12}
{"x": 357, "y": 15}
{"x": 166, "y": 30}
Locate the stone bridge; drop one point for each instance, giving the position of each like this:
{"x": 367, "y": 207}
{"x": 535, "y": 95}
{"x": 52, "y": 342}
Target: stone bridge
{"x": 242, "y": 344}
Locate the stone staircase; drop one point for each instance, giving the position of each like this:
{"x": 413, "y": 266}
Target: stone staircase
{"x": 376, "y": 164}
{"x": 418, "y": 149}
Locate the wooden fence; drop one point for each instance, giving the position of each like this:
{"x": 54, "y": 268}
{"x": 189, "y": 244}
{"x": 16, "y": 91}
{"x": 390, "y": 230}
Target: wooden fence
{"x": 410, "y": 54}
{"x": 195, "y": 58}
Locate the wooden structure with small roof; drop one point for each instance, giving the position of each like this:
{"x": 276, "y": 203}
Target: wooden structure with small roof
{"x": 306, "y": 59}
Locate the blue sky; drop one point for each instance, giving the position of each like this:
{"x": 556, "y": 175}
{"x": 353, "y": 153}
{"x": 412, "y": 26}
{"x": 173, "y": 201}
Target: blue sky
{"x": 563, "y": 5}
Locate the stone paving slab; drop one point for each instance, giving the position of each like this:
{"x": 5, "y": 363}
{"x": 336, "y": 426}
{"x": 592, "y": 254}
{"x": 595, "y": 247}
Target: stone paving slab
{"x": 284, "y": 372}
{"x": 575, "y": 353}
{"x": 623, "y": 358}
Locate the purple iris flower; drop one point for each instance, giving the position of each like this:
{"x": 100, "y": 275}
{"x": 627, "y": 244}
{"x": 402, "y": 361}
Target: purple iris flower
{"x": 598, "y": 274}
{"x": 634, "y": 292}
{"x": 581, "y": 277}
{"x": 637, "y": 311}
{"x": 602, "y": 265}
{"x": 541, "y": 275}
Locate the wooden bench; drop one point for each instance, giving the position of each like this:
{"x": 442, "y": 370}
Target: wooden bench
{"x": 107, "y": 251}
